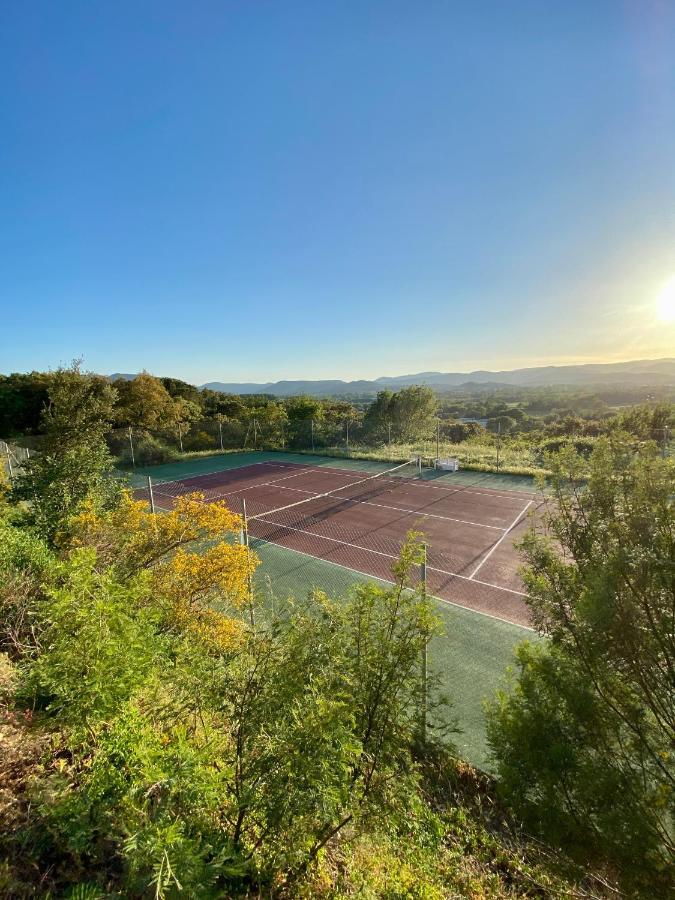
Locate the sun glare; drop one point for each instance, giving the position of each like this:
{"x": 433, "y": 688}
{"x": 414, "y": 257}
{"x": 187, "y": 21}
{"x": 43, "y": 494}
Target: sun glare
{"x": 665, "y": 304}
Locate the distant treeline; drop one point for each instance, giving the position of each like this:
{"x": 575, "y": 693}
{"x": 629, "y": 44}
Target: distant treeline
{"x": 168, "y": 415}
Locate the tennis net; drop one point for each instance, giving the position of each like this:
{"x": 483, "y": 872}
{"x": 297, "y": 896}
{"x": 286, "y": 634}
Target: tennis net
{"x": 364, "y": 486}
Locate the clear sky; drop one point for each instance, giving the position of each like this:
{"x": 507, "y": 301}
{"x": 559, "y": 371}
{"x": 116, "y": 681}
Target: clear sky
{"x": 260, "y": 190}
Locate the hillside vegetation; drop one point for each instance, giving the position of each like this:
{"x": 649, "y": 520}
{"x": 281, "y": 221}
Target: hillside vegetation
{"x": 166, "y": 735}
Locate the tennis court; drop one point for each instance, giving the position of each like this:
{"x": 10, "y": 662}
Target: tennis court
{"x": 355, "y": 518}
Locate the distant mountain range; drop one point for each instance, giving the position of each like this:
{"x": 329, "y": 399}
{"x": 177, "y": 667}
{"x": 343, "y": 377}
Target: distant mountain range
{"x": 637, "y": 372}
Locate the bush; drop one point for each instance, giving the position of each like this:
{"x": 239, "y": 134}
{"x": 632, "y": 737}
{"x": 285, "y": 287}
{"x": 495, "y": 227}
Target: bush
{"x": 199, "y": 440}
{"x": 148, "y": 450}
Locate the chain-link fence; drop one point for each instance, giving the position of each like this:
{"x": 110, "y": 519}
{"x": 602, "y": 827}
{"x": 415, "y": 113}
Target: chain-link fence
{"x": 135, "y": 446}
{"x": 12, "y": 458}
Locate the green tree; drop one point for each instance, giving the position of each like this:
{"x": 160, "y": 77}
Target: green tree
{"x": 408, "y": 415}
{"x": 501, "y": 424}
{"x": 74, "y": 463}
{"x": 584, "y": 745}
{"x": 144, "y": 402}
{"x": 22, "y": 402}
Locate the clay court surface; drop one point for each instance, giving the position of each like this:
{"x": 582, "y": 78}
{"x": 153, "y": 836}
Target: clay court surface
{"x": 358, "y": 520}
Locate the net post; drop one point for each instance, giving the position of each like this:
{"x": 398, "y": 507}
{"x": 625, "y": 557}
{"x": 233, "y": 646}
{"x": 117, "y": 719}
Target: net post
{"x": 425, "y": 650}
{"x": 151, "y": 495}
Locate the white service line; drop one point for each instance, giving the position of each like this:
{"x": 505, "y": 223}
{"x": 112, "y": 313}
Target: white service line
{"x": 330, "y": 562}
{"x": 462, "y": 490}
{"x": 494, "y": 547}
{"x": 263, "y": 462}
{"x": 222, "y": 492}
{"x": 417, "y": 512}
{"x": 330, "y": 470}
{"x": 403, "y": 509}
{"x": 323, "y": 537}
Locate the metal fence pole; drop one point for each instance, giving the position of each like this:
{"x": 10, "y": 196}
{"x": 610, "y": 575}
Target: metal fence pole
{"x": 425, "y": 648}
{"x": 312, "y": 435}
{"x": 151, "y": 495}
{"x": 249, "y": 578}
{"x": 131, "y": 444}
{"x": 220, "y": 429}
{"x": 438, "y": 440}
{"x": 9, "y": 463}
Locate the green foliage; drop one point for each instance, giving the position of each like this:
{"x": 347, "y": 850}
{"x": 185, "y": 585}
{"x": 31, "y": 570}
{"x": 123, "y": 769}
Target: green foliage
{"x": 22, "y": 401}
{"x": 199, "y": 771}
{"x": 98, "y": 642}
{"x": 74, "y": 463}
{"x": 143, "y": 402}
{"x": 149, "y": 450}
{"x": 408, "y": 414}
{"x": 26, "y": 569}
{"x": 584, "y": 745}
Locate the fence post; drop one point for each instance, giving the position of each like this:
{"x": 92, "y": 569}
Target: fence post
{"x": 438, "y": 440}
{"x": 312, "y": 435}
{"x": 249, "y": 579}
{"x": 9, "y": 462}
{"x": 347, "y": 434}
{"x": 220, "y": 429}
{"x": 151, "y": 495}
{"x": 425, "y": 646}
{"x": 131, "y": 444}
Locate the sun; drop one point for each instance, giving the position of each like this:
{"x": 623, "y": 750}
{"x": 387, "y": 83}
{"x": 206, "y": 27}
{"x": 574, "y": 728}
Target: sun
{"x": 665, "y": 303}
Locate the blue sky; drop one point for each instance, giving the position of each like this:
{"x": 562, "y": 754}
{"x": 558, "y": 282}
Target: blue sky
{"x": 263, "y": 190}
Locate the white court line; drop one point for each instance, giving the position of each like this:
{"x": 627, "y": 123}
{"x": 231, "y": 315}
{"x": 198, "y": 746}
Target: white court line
{"x": 351, "y": 473}
{"x": 462, "y": 490}
{"x": 509, "y": 529}
{"x": 275, "y": 481}
{"x": 263, "y": 462}
{"x": 490, "y": 492}
{"x": 417, "y": 512}
{"x": 330, "y": 562}
{"x": 381, "y": 553}
{"x": 226, "y": 493}
{"x": 403, "y": 509}
{"x": 411, "y": 512}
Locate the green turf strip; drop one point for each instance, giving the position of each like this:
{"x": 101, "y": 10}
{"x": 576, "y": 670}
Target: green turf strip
{"x": 470, "y": 656}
